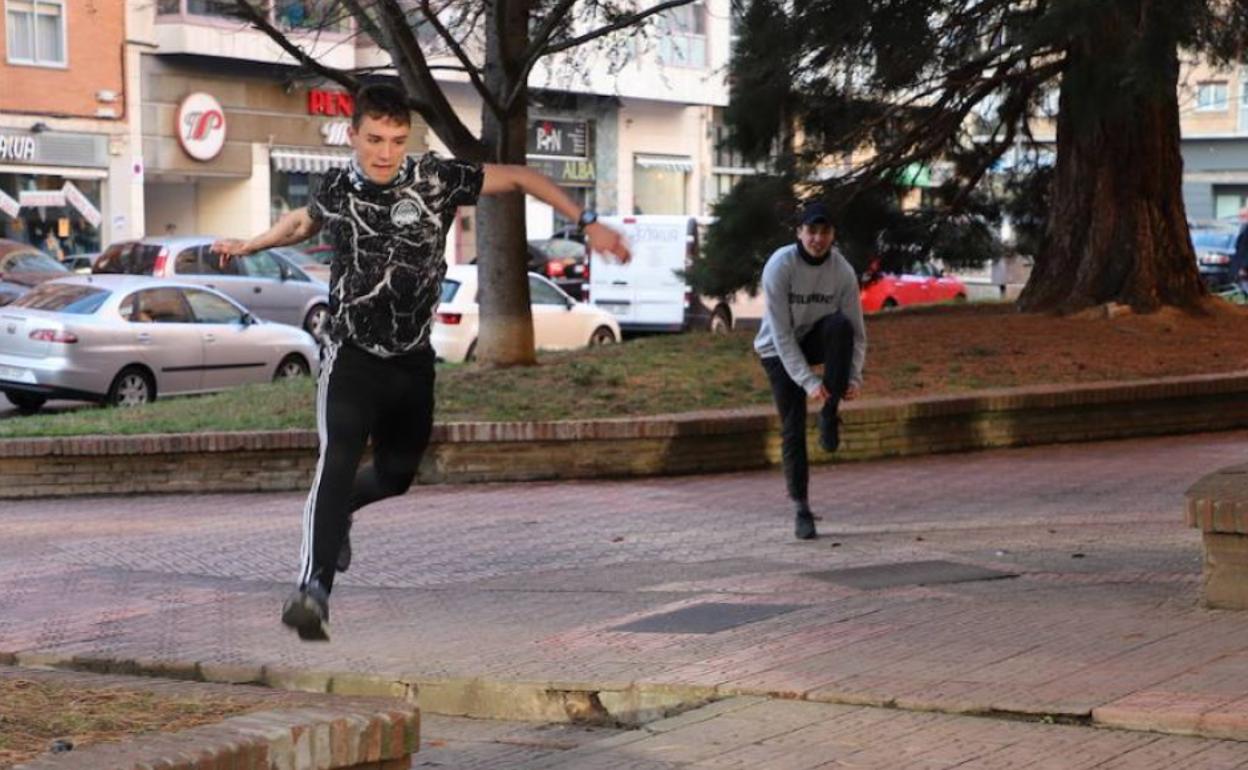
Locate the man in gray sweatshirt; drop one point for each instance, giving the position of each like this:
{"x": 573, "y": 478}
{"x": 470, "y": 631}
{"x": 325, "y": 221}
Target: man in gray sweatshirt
{"x": 813, "y": 316}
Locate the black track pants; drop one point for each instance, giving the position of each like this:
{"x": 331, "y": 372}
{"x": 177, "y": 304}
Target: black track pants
{"x": 362, "y": 396}
{"x": 831, "y": 343}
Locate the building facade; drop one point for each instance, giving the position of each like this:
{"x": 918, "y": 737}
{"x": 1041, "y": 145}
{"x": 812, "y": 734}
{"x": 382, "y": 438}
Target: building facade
{"x": 1213, "y": 107}
{"x": 70, "y": 165}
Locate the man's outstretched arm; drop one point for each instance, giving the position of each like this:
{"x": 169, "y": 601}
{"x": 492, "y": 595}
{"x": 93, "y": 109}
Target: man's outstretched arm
{"x": 500, "y": 178}
{"x": 292, "y": 227}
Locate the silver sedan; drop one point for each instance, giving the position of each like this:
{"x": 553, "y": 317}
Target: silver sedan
{"x": 120, "y": 339}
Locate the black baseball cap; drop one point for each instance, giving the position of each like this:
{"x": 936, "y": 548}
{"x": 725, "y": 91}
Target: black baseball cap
{"x": 815, "y": 213}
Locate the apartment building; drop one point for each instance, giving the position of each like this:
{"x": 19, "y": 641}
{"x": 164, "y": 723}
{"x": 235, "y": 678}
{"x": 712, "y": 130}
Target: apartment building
{"x": 1213, "y": 107}
{"x": 70, "y": 166}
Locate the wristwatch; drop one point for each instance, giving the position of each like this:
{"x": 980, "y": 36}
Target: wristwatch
{"x": 587, "y": 218}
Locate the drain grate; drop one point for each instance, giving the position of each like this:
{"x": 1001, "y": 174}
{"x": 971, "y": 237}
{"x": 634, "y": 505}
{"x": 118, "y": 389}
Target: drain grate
{"x": 911, "y": 573}
{"x": 708, "y": 618}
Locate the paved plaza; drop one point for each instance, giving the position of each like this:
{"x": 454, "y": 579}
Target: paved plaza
{"x": 1082, "y": 607}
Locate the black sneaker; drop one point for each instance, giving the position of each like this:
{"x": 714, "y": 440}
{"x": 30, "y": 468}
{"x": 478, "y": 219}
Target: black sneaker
{"x": 307, "y": 611}
{"x": 829, "y": 429}
{"x": 344, "y": 554}
{"x": 805, "y": 525}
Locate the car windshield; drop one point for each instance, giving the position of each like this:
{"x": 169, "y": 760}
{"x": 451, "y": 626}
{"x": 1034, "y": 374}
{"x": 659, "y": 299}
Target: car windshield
{"x": 1221, "y": 240}
{"x": 35, "y": 262}
{"x": 72, "y": 298}
{"x": 128, "y": 258}
{"x": 297, "y": 257}
{"x": 449, "y": 289}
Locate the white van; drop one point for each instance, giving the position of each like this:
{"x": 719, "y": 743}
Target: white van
{"x": 648, "y": 293}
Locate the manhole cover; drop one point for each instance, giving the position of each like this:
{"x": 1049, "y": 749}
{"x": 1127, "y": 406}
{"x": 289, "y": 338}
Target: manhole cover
{"x": 911, "y": 573}
{"x": 706, "y": 618}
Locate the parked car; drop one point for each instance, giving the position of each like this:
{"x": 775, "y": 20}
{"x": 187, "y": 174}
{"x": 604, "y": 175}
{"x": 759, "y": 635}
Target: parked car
{"x": 123, "y": 340}
{"x": 1215, "y": 254}
{"x": 80, "y": 263}
{"x": 314, "y": 261}
{"x": 266, "y": 283}
{"x": 563, "y": 259}
{"x": 923, "y": 283}
{"x": 23, "y": 266}
{"x": 559, "y": 322}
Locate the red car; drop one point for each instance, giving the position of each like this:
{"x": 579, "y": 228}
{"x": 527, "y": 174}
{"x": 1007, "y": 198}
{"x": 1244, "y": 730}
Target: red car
{"x": 922, "y": 285}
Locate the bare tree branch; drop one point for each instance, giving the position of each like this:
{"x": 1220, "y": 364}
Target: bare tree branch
{"x": 432, "y": 17}
{"x": 615, "y": 26}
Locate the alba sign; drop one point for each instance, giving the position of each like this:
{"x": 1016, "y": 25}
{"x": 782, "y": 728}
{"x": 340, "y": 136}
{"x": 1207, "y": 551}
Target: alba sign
{"x": 200, "y": 124}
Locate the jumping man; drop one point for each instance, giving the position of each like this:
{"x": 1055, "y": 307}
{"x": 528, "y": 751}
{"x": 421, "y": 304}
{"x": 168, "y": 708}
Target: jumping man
{"x": 386, "y": 217}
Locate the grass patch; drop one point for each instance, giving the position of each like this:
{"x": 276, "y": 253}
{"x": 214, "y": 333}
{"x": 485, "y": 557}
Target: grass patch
{"x": 925, "y": 352}
{"x": 33, "y": 714}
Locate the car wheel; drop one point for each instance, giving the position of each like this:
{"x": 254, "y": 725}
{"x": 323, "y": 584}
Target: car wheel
{"x": 132, "y": 387}
{"x": 721, "y": 321}
{"x": 889, "y": 304}
{"x": 602, "y": 336}
{"x": 316, "y": 321}
{"x": 291, "y": 366}
{"x": 471, "y": 355}
{"x": 26, "y": 403}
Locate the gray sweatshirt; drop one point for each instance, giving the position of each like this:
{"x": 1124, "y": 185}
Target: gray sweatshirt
{"x": 797, "y": 294}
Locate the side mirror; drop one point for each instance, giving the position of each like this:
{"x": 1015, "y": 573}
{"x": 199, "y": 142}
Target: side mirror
{"x": 247, "y": 319}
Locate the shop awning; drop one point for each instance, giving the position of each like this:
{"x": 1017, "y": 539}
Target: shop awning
{"x": 65, "y": 172}
{"x": 680, "y": 163}
{"x": 301, "y": 160}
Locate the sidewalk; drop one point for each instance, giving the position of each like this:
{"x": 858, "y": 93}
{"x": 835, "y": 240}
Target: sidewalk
{"x": 490, "y": 595}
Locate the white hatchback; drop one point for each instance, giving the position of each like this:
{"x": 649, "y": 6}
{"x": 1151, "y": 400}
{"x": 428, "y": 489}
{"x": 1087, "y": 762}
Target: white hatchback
{"x": 559, "y": 322}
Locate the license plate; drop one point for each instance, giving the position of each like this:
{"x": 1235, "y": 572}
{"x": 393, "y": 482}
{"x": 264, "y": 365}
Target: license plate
{"x": 13, "y": 374}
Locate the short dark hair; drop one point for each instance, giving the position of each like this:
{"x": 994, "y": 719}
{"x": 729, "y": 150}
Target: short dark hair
{"x": 381, "y": 101}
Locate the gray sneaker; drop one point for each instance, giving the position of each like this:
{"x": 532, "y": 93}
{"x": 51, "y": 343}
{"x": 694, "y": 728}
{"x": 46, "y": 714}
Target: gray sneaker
{"x": 307, "y": 611}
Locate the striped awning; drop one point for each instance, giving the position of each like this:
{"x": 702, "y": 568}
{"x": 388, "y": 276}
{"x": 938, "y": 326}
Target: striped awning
{"x": 302, "y": 160}
{"x": 682, "y": 163}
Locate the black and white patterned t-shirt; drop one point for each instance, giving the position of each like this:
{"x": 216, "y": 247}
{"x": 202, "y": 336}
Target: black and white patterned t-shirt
{"x": 386, "y": 276}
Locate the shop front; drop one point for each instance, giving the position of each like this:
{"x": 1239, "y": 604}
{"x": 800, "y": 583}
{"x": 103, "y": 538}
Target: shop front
{"x": 52, "y": 189}
{"x": 233, "y": 148}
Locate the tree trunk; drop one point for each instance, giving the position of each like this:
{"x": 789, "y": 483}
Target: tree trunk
{"x": 1117, "y": 227}
{"x": 506, "y": 333}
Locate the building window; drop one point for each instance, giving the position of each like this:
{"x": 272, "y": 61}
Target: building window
{"x": 661, "y": 184}
{"x": 1211, "y": 97}
{"x": 211, "y": 7}
{"x": 310, "y": 15}
{"x": 682, "y": 36}
{"x": 36, "y": 32}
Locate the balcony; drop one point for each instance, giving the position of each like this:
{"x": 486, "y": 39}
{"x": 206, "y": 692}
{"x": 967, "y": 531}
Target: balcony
{"x": 210, "y": 28}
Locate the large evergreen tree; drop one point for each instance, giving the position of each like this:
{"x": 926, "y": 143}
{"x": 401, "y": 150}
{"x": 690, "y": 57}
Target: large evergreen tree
{"x": 900, "y": 82}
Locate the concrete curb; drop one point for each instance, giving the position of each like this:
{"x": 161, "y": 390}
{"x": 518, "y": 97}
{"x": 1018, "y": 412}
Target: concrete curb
{"x": 700, "y": 442}
{"x": 634, "y": 704}
{"x": 284, "y": 732}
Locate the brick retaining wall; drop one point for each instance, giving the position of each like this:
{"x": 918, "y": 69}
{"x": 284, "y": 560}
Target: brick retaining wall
{"x": 704, "y": 442}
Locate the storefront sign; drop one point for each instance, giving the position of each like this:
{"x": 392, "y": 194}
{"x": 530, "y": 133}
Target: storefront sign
{"x": 558, "y": 138}
{"x": 570, "y": 173}
{"x": 38, "y": 199}
{"x": 8, "y": 205}
{"x": 335, "y": 133}
{"x": 334, "y": 104}
{"x": 200, "y": 124}
{"x": 17, "y": 147}
{"x": 79, "y": 201}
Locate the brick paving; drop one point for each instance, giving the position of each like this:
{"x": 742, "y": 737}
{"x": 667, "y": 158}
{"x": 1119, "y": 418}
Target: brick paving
{"x": 750, "y": 732}
{"x": 524, "y": 583}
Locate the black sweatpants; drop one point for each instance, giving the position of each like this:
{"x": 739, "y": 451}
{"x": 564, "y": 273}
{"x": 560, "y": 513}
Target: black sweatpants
{"x": 831, "y": 343}
{"x": 362, "y": 396}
